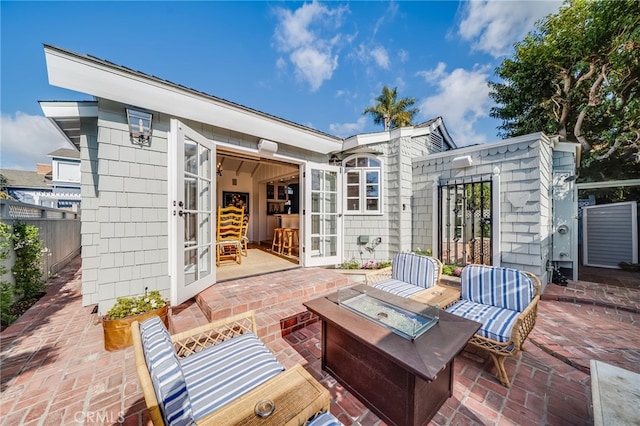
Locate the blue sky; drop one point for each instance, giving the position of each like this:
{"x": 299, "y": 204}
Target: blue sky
{"x": 319, "y": 64}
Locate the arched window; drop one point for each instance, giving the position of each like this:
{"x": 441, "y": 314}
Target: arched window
{"x": 363, "y": 185}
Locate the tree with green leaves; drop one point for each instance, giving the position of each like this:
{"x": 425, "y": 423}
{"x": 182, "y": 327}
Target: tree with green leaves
{"x": 578, "y": 76}
{"x": 390, "y": 111}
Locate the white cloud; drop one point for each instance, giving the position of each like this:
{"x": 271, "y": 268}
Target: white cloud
{"x": 462, "y": 98}
{"x": 348, "y": 129}
{"x": 26, "y": 141}
{"x": 493, "y": 26}
{"x": 381, "y": 57}
{"x": 403, "y": 55}
{"x": 309, "y": 35}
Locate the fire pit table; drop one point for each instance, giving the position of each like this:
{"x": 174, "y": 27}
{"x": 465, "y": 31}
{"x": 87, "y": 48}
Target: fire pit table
{"x": 402, "y": 373}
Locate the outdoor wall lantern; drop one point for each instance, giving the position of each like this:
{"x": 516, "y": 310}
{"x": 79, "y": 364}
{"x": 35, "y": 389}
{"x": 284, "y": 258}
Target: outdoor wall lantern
{"x": 139, "y": 126}
{"x": 461, "y": 162}
{"x": 334, "y": 160}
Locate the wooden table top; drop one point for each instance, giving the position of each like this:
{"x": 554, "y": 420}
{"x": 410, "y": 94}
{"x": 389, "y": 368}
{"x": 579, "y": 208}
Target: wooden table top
{"x": 425, "y": 356}
{"x": 442, "y": 295}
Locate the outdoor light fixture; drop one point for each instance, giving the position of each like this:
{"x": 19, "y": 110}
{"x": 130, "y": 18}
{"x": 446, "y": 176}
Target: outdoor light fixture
{"x": 461, "y": 162}
{"x": 140, "y": 126}
{"x": 334, "y": 160}
{"x": 267, "y": 147}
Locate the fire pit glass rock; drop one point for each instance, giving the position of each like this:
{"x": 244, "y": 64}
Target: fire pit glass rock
{"x": 405, "y": 323}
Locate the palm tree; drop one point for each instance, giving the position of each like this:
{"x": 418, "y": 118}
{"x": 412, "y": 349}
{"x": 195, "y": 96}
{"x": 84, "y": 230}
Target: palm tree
{"x": 390, "y": 112}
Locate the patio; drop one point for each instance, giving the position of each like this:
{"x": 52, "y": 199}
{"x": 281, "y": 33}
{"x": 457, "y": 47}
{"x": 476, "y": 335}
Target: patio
{"x": 55, "y": 370}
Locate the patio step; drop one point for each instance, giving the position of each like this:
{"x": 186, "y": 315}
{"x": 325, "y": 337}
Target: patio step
{"x": 276, "y": 298}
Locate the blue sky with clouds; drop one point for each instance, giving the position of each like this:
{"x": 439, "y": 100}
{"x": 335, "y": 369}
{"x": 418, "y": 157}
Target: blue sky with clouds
{"x": 319, "y": 64}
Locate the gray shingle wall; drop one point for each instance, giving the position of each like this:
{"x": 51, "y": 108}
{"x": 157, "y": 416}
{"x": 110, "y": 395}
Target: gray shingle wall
{"x": 525, "y": 170}
{"x": 395, "y": 226}
{"x": 124, "y": 220}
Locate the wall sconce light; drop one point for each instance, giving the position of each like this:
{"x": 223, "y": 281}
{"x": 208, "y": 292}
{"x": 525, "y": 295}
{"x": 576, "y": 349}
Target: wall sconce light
{"x": 219, "y": 169}
{"x": 267, "y": 147}
{"x": 140, "y": 126}
{"x": 334, "y": 160}
{"x": 461, "y": 162}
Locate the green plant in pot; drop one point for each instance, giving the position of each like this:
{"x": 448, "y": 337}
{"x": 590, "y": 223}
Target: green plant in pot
{"x": 117, "y": 322}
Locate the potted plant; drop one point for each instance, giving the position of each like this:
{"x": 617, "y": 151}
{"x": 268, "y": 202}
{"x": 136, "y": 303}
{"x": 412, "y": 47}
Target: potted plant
{"x": 116, "y": 324}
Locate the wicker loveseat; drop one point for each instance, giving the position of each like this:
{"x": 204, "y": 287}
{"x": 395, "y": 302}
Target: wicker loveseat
{"x": 505, "y": 301}
{"x": 217, "y": 373}
{"x": 409, "y": 275}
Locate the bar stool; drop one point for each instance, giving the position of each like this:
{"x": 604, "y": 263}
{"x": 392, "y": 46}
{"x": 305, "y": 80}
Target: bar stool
{"x": 289, "y": 239}
{"x": 277, "y": 240}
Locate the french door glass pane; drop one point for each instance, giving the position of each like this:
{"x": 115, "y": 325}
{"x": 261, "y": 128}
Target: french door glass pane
{"x": 205, "y": 162}
{"x": 190, "y": 191}
{"x": 205, "y": 195}
{"x": 190, "y": 266}
{"x": 190, "y": 157}
{"x": 330, "y": 246}
{"x": 205, "y": 261}
{"x": 205, "y": 228}
{"x": 190, "y": 236}
{"x": 330, "y": 204}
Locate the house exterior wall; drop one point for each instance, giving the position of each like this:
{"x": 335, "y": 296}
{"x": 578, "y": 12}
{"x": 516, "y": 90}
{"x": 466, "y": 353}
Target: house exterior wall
{"x": 124, "y": 191}
{"x": 524, "y": 197}
{"x": 395, "y": 225}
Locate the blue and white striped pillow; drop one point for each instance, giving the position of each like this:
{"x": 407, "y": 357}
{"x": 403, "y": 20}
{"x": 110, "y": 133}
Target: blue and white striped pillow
{"x": 415, "y": 269}
{"x": 496, "y": 286}
{"x": 166, "y": 373}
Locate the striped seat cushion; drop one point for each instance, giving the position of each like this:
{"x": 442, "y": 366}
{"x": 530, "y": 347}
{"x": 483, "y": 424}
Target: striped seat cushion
{"x": 324, "y": 419}
{"x": 223, "y": 372}
{"x": 496, "y": 322}
{"x": 501, "y": 287}
{"x": 399, "y": 288}
{"x": 164, "y": 368}
{"x": 415, "y": 269}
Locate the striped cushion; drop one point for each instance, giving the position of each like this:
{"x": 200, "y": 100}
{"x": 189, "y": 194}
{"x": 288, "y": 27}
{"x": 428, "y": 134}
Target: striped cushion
{"x": 223, "y": 372}
{"x": 501, "y": 287}
{"x": 496, "y": 322}
{"x": 324, "y": 419}
{"x": 399, "y": 288}
{"x": 166, "y": 374}
{"x": 415, "y": 269}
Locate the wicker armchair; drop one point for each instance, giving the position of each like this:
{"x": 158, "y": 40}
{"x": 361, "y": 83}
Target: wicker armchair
{"x": 217, "y": 373}
{"x": 505, "y": 301}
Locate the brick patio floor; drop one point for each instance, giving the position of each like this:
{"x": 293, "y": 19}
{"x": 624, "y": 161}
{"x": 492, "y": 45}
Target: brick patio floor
{"x": 55, "y": 371}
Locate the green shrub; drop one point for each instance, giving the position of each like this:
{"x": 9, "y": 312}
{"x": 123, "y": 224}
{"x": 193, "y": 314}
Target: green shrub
{"x": 26, "y": 269}
{"x": 421, "y": 252}
{"x": 135, "y": 305}
{"x": 350, "y": 264}
{"x": 7, "y": 292}
{"x": 452, "y": 270}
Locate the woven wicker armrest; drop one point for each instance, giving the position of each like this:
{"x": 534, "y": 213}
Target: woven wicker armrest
{"x": 378, "y": 275}
{"x": 296, "y": 394}
{"x": 199, "y": 338}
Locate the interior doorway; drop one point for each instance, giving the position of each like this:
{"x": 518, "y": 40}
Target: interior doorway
{"x": 268, "y": 189}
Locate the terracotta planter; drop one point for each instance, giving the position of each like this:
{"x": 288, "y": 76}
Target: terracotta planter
{"x": 117, "y": 332}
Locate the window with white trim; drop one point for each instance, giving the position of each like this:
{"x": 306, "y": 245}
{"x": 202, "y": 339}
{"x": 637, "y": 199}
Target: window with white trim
{"x": 363, "y": 185}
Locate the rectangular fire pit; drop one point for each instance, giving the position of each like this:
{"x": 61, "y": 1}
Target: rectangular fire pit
{"x": 403, "y": 322}
{"x": 404, "y": 381}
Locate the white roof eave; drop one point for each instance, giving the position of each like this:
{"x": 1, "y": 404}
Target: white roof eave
{"x": 94, "y": 77}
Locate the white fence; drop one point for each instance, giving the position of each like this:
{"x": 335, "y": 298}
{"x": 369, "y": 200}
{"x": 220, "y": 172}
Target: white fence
{"x": 59, "y": 233}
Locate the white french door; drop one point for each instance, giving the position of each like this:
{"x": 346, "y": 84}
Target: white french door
{"x": 322, "y": 215}
{"x": 192, "y": 197}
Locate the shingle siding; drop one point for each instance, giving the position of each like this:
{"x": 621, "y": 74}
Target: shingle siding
{"x": 524, "y": 201}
